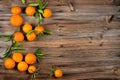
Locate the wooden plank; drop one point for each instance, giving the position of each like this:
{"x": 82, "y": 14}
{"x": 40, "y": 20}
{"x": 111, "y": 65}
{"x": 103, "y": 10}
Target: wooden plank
{"x": 84, "y": 30}
{"x": 62, "y": 13}
{"x": 62, "y": 2}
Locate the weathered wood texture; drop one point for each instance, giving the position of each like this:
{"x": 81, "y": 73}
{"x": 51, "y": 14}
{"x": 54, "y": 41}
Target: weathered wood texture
{"x": 85, "y": 43}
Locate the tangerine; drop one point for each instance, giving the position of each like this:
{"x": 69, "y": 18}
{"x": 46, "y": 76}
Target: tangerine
{"x": 30, "y": 58}
{"x": 9, "y": 63}
{"x": 31, "y": 37}
{"x": 22, "y": 66}
{"x": 39, "y": 29}
{"x": 16, "y": 10}
{"x": 17, "y": 57}
{"x": 18, "y": 36}
{"x": 30, "y": 11}
{"x": 58, "y": 73}
{"x": 31, "y": 69}
{"x": 27, "y": 27}
{"x": 47, "y": 13}
{"x": 16, "y": 20}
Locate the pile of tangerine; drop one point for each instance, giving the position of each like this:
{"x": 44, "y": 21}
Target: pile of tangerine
{"x": 26, "y": 63}
{"x": 17, "y": 21}
{"x": 23, "y": 63}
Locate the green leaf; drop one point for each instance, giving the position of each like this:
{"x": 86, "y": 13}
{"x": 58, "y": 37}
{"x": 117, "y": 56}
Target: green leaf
{"x": 7, "y": 53}
{"x": 33, "y": 76}
{"x": 30, "y": 32}
{"x": 35, "y": 4}
{"x": 39, "y": 54}
{"x": 42, "y": 35}
{"x": 36, "y": 14}
{"x": 46, "y": 3}
{"x": 38, "y": 69}
{"x": 47, "y": 32}
{"x": 19, "y": 50}
{"x": 23, "y": 1}
{"x": 53, "y": 68}
{"x": 40, "y": 4}
{"x": 8, "y": 37}
{"x": 40, "y": 11}
{"x": 8, "y": 49}
{"x": 40, "y": 20}
{"x": 51, "y": 74}
{"x": 16, "y": 44}
{"x": 35, "y": 73}
{"x": 38, "y": 51}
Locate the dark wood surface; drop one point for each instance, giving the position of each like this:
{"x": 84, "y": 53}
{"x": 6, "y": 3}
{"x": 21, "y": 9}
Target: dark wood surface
{"x": 85, "y": 42}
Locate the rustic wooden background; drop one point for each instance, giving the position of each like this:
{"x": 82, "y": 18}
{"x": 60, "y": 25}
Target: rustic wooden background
{"x": 85, "y": 43}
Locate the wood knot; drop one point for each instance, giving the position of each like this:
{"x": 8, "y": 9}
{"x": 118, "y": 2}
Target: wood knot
{"x": 101, "y": 44}
{"x": 61, "y": 46}
{"x": 106, "y": 28}
{"x": 108, "y": 19}
{"x": 91, "y": 38}
{"x": 60, "y": 28}
{"x": 71, "y": 6}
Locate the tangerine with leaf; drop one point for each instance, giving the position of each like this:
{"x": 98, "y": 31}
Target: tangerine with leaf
{"x": 39, "y": 29}
{"x": 31, "y": 69}
{"x": 58, "y": 73}
{"x": 31, "y": 35}
{"x": 27, "y": 27}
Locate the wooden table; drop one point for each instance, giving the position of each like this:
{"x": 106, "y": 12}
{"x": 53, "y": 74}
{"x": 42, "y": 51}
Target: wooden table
{"x": 85, "y": 42}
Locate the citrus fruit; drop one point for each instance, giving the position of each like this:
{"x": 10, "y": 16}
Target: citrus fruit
{"x": 30, "y": 11}
{"x": 18, "y": 36}
{"x": 16, "y": 20}
{"x": 58, "y": 73}
{"x": 31, "y": 37}
{"x": 22, "y": 66}
{"x": 17, "y": 57}
{"x": 39, "y": 29}
{"x": 16, "y": 10}
{"x": 9, "y": 63}
{"x": 27, "y": 27}
{"x": 30, "y": 58}
{"x": 47, "y": 13}
{"x": 31, "y": 69}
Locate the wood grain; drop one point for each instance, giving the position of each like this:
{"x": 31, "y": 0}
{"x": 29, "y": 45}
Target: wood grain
{"x": 84, "y": 44}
